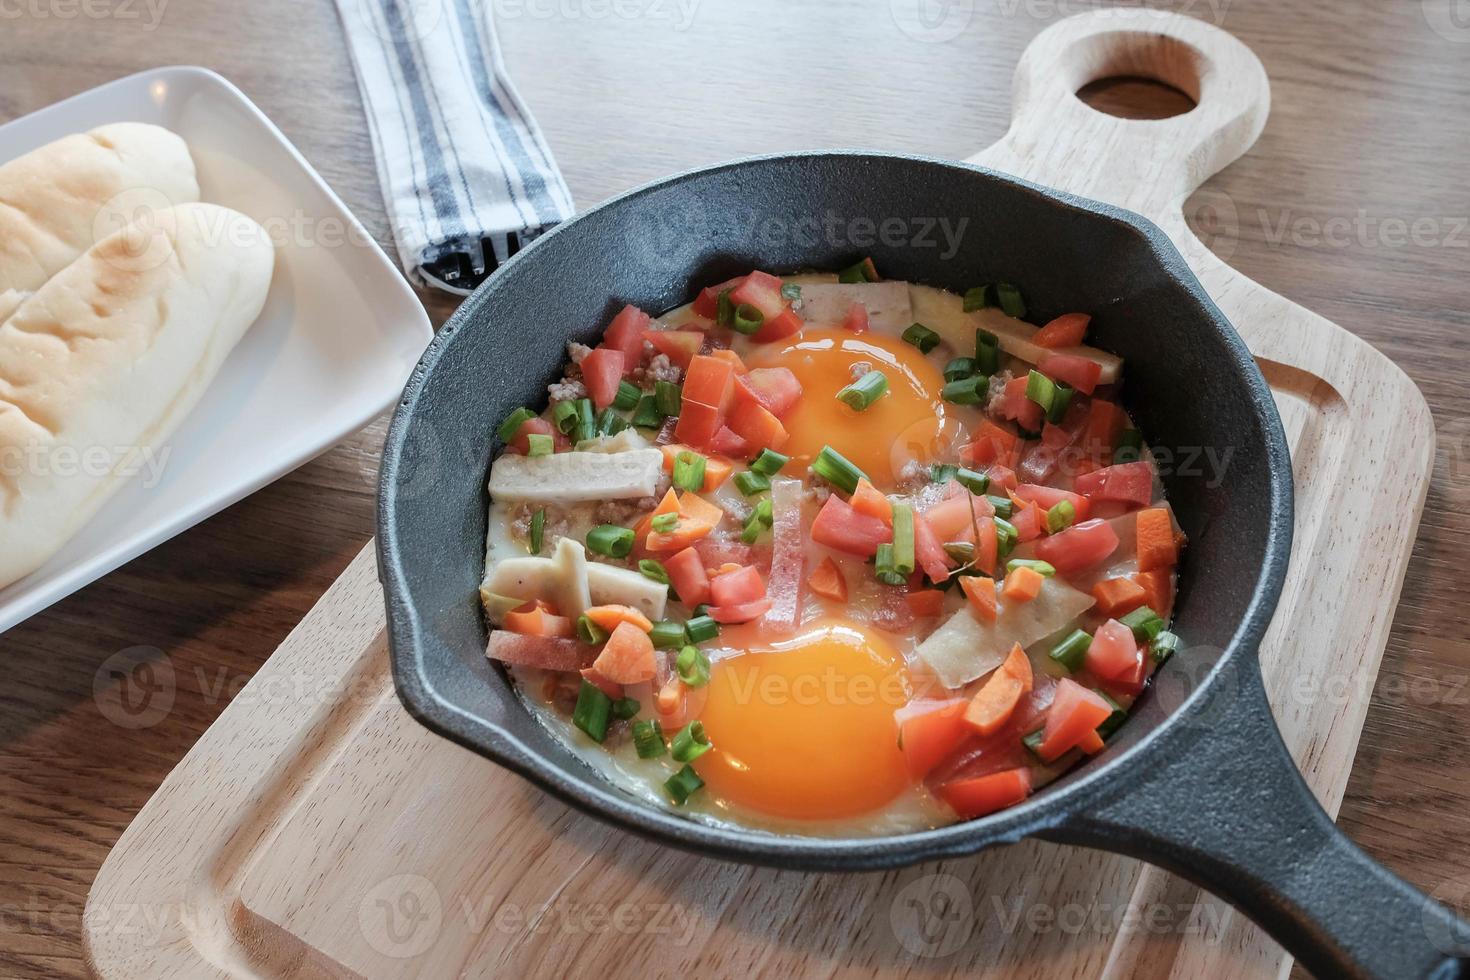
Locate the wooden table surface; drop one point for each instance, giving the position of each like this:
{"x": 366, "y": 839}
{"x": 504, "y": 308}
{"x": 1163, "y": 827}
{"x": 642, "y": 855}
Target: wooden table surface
{"x": 1354, "y": 203}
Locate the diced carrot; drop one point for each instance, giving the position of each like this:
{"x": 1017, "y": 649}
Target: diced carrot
{"x": 628, "y": 656}
{"x": 740, "y": 612}
{"x": 1075, "y": 713}
{"x": 755, "y": 425}
{"x": 929, "y": 551}
{"x": 687, "y": 575}
{"x": 609, "y": 617}
{"x": 1022, "y": 585}
{"x": 1158, "y": 586}
{"x": 536, "y": 621}
{"x": 868, "y": 499}
{"x": 984, "y": 795}
{"x": 698, "y": 423}
{"x": 729, "y": 444}
{"x": 709, "y": 381}
{"x": 1067, "y": 330}
{"x": 696, "y": 508}
{"x": 993, "y": 443}
{"x": 717, "y": 470}
{"x": 980, "y": 590}
{"x": 992, "y": 705}
{"x": 1118, "y": 596}
{"x": 953, "y": 515}
{"x": 827, "y": 581}
{"x": 683, "y": 535}
{"x": 1105, "y": 423}
{"x": 1156, "y": 546}
{"x": 925, "y": 602}
{"x": 670, "y": 696}
{"x": 729, "y": 357}
{"x": 926, "y": 736}
{"x": 1091, "y": 743}
{"x": 668, "y": 505}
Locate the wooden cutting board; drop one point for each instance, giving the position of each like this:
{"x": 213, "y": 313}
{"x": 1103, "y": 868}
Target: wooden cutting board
{"x": 316, "y": 830}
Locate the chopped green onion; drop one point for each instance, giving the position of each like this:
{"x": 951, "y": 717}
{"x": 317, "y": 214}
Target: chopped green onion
{"x": 1006, "y": 536}
{"x": 564, "y": 417}
{"x": 610, "y": 540}
{"x": 682, "y": 785}
{"x": 702, "y": 609}
{"x": 590, "y": 632}
{"x": 885, "y": 569}
{"x": 689, "y": 743}
{"x": 646, "y": 415}
{"x": 1163, "y": 646}
{"x": 747, "y": 319}
{"x": 667, "y": 398}
{"x": 921, "y": 337}
{"x": 648, "y": 738}
{"x": 790, "y": 290}
{"x": 966, "y": 391}
{"x": 625, "y": 708}
{"x": 1145, "y": 624}
{"x": 835, "y": 468}
{"x": 1060, "y": 516}
{"x": 1040, "y": 389}
{"x": 903, "y": 539}
{"x": 538, "y": 531}
{"x": 977, "y": 298}
{"x": 1034, "y": 740}
{"x": 592, "y": 711}
{"x": 693, "y": 667}
{"x": 610, "y": 423}
{"x": 1114, "y": 721}
{"x": 1003, "y": 505}
{"x": 702, "y": 628}
{"x": 651, "y": 568}
{"x": 769, "y": 463}
{"x": 961, "y": 551}
{"x": 1130, "y": 447}
{"x": 752, "y": 530}
{"x": 1059, "y": 402}
{"x": 513, "y": 423}
{"x": 1009, "y": 298}
{"x": 943, "y": 472}
{"x": 725, "y": 310}
{"x": 861, "y": 272}
{"x": 864, "y": 391}
{"x": 971, "y": 480}
{"x": 586, "y": 425}
{"x": 1072, "y": 651}
{"x": 750, "y": 483}
{"x": 1042, "y": 568}
{"x": 960, "y": 367}
{"x": 987, "y": 352}
{"x": 689, "y": 470}
{"x": 765, "y": 512}
{"x": 664, "y": 523}
{"x": 627, "y": 397}
{"x": 666, "y": 633}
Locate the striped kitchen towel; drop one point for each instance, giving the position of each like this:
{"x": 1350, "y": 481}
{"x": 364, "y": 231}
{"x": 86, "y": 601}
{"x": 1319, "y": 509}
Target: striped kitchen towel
{"x": 467, "y": 176}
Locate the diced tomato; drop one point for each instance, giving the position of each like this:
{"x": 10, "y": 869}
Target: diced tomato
{"x": 1113, "y": 651}
{"x": 1016, "y": 406}
{"x": 709, "y": 381}
{"x": 1105, "y": 424}
{"x": 727, "y": 443}
{"x": 698, "y": 424}
{"x": 1001, "y": 477}
{"x": 1079, "y": 546}
{"x": 602, "y": 371}
{"x": 984, "y": 795}
{"x": 929, "y": 551}
{"x": 679, "y": 345}
{"x": 954, "y": 515}
{"x": 1040, "y": 463}
{"x": 602, "y": 682}
{"x": 742, "y": 613}
{"x": 1081, "y": 373}
{"x": 736, "y": 588}
{"x": 545, "y": 652}
{"x": 1026, "y": 518}
{"x": 707, "y": 303}
{"x": 1057, "y": 436}
{"x": 1048, "y": 497}
{"x": 926, "y": 602}
{"x": 856, "y": 320}
{"x": 778, "y": 328}
{"x": 839, "y": 526}
{"x": 775, "y": 389}
{"x": 827, "y": 581}
{"x": 1067, "y": 330}
{"x": 625, "y": 334}
{"x": 533, "y": 426}
{"x": 1130, "y": 683}
{"x": 992, "y": 444}
{"x": 761, "y": 429}
{"x": 687, "y": 576}
{"x": 761, "y": 290}
{"x": 1125, "y": 483}
{"x": 1074, "y": 714}
{"x": 928, "y": 731}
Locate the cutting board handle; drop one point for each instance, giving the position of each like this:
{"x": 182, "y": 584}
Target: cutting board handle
{"x": 1146, "y": 165}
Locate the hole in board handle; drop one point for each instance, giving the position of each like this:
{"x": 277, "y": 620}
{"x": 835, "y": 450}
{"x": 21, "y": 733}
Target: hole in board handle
{"x": 1134, "y": 97}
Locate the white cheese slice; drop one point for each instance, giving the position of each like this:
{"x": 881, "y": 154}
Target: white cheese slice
{"x": 560, "y": 582}
{"x": 567, "y": 478}
{"x": 887, "y": 303}
{"x": 964, "y": 648}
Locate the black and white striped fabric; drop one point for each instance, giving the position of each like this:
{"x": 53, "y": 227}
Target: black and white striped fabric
{"x": 467, "y": 176}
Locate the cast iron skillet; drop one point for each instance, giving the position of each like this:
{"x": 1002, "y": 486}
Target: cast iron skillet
{"x": 1198, "y": 781}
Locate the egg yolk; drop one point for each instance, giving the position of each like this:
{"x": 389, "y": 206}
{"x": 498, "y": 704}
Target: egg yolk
{"x": 906, "y": 423}
{"x": 803, "y": 728}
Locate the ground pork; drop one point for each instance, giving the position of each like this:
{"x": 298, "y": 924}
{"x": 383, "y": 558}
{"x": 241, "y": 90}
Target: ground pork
{"x": 817, "y": 489}
{"x": 657, "y": 368}
{"x": 860, "y": 368}
{"x": 997, "y": 393}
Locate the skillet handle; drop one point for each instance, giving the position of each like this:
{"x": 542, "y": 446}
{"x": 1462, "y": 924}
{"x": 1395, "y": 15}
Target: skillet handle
{"x": 1217, "y": 799}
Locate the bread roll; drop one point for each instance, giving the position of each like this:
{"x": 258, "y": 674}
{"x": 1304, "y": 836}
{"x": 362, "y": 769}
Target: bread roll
{"x": 58, "y": 201}
{"x": 100, "y": 365}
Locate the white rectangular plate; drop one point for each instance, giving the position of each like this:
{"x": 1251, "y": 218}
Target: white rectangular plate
{"x": 339, "y": 335}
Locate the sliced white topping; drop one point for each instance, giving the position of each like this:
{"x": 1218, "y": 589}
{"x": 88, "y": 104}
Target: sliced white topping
{"x": 567, "y": 478}
{"x": 625, "y": 587}
{"x": 964, "y": 648}
{"x": 887, "y": 303}
{"x": 570, "y": 582}
{"x": 624, "y": 441}
{"x": 570, "y": 593}
{"x": 944, "y": 313}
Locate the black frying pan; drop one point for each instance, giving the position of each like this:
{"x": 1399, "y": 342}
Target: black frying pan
{"x": 1198, "y": 781}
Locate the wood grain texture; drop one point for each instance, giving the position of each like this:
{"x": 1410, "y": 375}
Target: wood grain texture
{"x": 1367, "y": 130}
